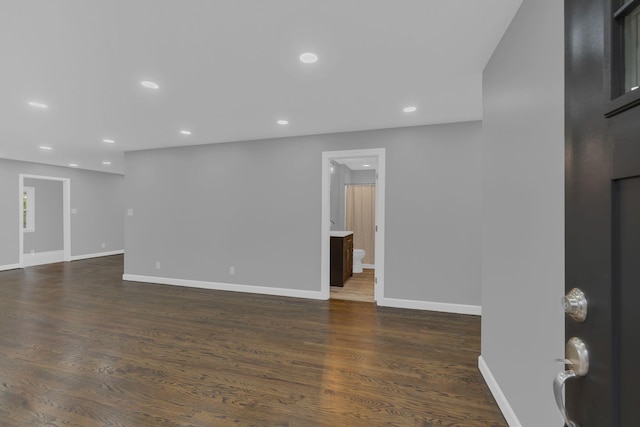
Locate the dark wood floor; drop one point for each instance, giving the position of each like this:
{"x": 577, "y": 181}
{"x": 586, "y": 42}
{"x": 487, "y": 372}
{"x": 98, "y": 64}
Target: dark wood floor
{"x": 80, "y": 347}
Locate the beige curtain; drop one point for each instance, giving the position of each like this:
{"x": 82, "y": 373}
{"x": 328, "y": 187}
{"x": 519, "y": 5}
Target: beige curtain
{"x": 361, "y": 211}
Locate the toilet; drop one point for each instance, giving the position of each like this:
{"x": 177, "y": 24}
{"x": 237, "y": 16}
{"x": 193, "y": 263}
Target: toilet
{"x": 358, "y": 254}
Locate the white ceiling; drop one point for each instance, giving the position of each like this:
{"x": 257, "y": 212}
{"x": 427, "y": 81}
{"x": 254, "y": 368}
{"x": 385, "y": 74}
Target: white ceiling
{"x": 228, "y": 69}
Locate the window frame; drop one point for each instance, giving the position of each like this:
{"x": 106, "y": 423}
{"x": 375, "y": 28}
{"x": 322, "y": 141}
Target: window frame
{"x": 617, "y": 100}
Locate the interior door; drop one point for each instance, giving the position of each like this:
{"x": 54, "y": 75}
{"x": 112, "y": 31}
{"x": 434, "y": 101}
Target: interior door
{"x": 602, "y": 214}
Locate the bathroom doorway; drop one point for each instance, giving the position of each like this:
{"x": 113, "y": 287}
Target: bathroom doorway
{"x": 345, "y": 174}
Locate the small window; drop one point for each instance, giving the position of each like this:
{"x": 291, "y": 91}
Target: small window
{"x": 623, "y": 59}
{"x": 29, "y": 209}
{"x": 632, "y": 50}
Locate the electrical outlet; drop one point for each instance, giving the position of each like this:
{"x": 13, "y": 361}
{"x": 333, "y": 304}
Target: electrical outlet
{"x": 103, "y": 245}
{"x": 157, "y": 265}
{"x": 130, "y": 212}
{"x": 232, "y": 270}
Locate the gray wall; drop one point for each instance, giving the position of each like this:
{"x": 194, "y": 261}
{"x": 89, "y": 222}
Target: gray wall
{"x": 198, "y": 210}
{"x": 48, "y": 235}
{"x": 363, "y": 177}
{"x": 98, "y": 198}
{"x": 523, "y": 211}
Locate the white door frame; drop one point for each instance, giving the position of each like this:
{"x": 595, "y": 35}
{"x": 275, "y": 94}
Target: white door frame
{"x": 66, "y": 213}
{"x": 325, "y": 217}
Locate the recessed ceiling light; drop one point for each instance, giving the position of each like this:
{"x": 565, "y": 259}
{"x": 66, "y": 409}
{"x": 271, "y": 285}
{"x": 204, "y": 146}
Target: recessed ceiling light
{"x": 308, "y": 58}
{"x": 73, "y": 165}
{"x": 185, "y": 132}
{"x": 149, "y": 85}
{"x": 108, "y": 141}
{"x": 365, "y": 166}
{"x": 106, "y": 163}
{"x": 635, "y": 87}
{"x": 283, "y": 122}
{"x": 409, "y": 109}
{"x": 37, "y": 104}
{"x": 45, "y": 147}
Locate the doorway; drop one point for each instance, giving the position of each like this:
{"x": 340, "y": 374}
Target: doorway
{"x": 47, "y": 256}
{"x": 329, "y": 161}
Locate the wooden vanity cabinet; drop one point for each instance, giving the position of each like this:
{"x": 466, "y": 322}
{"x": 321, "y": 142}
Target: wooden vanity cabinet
{"x": 341, "y": 260}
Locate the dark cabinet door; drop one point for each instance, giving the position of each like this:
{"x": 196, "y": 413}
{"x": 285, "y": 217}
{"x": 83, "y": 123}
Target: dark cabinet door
{"x": 347, "y": 247}
{"x": 341, "y": 259}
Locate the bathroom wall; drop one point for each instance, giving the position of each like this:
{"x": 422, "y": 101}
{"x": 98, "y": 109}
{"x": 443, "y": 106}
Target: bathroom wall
{"x": 341, "y": 176}
{"x": 200, "y": 210}
{"x": 363, "y": 177}
{"x": 48, "y": 234}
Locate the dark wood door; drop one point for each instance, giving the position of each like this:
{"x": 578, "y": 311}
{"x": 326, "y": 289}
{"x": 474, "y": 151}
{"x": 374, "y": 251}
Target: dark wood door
{"x": 603, "y": 212}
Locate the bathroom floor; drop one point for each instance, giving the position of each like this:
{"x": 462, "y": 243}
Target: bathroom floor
{"x": 359, "y": 287}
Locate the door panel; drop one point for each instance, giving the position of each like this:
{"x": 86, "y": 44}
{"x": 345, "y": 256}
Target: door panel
{"x": 626, "y": 296}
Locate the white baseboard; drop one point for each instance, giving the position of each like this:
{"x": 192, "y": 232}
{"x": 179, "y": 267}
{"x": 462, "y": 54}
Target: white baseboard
{"x": 369, "y": 266}
{"x": 96, "y": 255}
{"x": 296, "y": 293}
{"x": 430, "y": 306}
{"x": 498, "y": 395}
{"x": 265, "y": 290}
{"x": 9, "y": 267}
{"x": 41, "y": 258}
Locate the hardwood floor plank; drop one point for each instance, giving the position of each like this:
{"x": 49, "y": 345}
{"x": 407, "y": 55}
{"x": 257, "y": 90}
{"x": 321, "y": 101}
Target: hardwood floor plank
{"x": 81, "y": 347}
{"x": 358, "y": 287}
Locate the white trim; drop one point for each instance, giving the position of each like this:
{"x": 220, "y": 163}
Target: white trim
{"x": 265, "y": 290}
{"x": 9, "y": 267}
{"x": 325, "y": 216}
{"x": 431, "y": 306}
{"x": 40, "y": 258}
{"x": 369, "y": 266}
{"x": 498, "y": 395}
{"x": 344, "y": 219}
{"x": 96, "y": 255}
{"x": 66, "y": 214}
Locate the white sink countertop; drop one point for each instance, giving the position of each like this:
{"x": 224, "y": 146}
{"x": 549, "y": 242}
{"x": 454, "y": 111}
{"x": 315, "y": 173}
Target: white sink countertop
{"x": 340, "y": 233}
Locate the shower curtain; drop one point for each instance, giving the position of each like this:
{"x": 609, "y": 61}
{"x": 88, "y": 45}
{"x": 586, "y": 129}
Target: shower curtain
{"x": 360, "y": 218}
